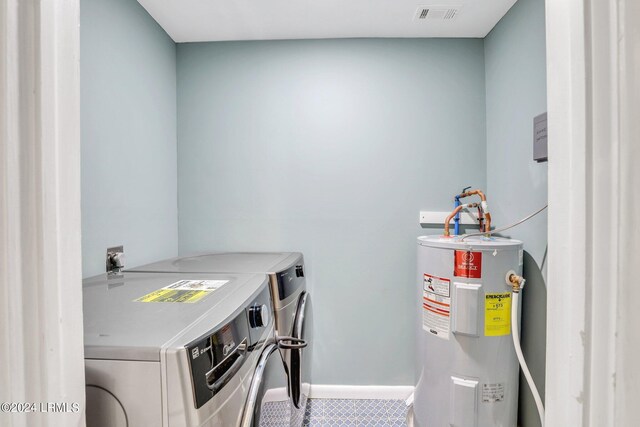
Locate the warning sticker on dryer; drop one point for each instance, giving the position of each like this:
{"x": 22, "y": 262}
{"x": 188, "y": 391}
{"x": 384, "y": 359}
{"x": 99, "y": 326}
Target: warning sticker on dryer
{"x": 187, "y": 291}
{"x": 436, "y": 306}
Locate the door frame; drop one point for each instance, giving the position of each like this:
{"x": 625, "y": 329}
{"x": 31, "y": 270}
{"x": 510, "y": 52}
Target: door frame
{"x": 41, "y": 333}
{"x": 592, "y": 100}
{"x": 592, "y": 106}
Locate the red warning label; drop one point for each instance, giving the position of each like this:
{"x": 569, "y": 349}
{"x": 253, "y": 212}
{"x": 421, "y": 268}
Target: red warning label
{"x": 436, "y": 304}
{"x": 468, "y": 264}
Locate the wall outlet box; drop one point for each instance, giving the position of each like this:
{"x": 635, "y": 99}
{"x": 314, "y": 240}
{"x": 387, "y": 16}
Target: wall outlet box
{"x": 540, "y": 138}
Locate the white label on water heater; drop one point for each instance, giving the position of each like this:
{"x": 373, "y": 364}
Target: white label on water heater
{"x": 436, "y": 306}
{"x": 492, "y": 393}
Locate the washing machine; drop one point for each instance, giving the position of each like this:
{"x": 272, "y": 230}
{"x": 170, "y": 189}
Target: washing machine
{"x": 173, "y": 350}
{"x": 286, "y": 272}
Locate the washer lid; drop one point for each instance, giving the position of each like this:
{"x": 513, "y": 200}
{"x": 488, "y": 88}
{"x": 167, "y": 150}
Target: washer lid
{"x": 226, "y": 262}
{"x": 119, "y": 324}
{"x": 473, "y": 242}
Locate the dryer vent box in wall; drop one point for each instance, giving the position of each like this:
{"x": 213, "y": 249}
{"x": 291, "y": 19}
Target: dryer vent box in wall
{"x": 540, "y": 138}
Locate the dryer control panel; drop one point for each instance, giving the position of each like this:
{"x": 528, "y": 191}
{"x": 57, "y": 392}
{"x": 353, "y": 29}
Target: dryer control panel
{"x": 259, "y": 317}
{"x": 290, "y": 281}
{"x": 217, "y": 356}
{"x": 214, "y": 359}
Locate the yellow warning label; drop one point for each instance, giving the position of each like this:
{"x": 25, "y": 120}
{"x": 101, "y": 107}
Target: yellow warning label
{"x": 497, "y": 314}
{"x": 188, "y": 291}
{"x": 171, "y": 295}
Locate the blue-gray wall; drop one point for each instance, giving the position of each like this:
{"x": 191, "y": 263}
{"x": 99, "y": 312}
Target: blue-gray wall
{"x": 331, "y": 147}
{"x": 128, "y": 112}
{"x": 516, "y": 92}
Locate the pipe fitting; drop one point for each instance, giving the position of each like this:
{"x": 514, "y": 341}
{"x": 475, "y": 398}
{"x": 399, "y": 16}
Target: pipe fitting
{"x": 453, "y": 214}
{"x": 483, "y": 204}
{"x": 516, "y": 282}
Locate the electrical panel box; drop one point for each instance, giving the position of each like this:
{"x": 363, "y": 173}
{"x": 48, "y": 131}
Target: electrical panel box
{"x": 540, "y": 138}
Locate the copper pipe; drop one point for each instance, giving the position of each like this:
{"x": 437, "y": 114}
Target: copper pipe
{"x": 487, "y": 215}
{"x": 487, "y": 222}
{"x": 481, "y": 218}
{"x": 472, "y": 192}
{"x": 447, "y": 222}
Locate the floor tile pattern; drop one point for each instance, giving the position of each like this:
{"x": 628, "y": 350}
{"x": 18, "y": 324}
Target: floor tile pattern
{"x": 282, "y": 414}
{"x": 338, "y": 412}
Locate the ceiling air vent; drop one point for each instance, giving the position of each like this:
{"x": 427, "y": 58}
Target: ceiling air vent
{"x": 436, "y": 13}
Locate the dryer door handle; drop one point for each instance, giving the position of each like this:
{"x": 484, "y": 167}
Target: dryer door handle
{"x": 220, "y": 374}
{"x": 254, "y": 388}
{"x": 293, "y": 356}
{"x": 290, "y": 343}
{"x": 298, "y": 325}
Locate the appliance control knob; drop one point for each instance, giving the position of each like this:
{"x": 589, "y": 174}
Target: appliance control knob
{"x": 299, "y": 271}
{"x": 258, "y": 316}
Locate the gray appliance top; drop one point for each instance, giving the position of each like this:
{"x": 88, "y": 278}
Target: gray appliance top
{"x": 472, "y": 242}
{"x": 229, "y": 262}
{"x": 116, "y": 326}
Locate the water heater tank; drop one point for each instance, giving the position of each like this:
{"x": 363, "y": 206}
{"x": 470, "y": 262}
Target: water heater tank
{"x": 467, "y": 370}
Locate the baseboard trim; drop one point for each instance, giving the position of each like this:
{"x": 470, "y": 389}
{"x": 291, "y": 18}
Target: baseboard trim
{"x": 322, "y": 391}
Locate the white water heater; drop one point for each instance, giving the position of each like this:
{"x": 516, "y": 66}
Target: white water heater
{"x": 467, "y": 370}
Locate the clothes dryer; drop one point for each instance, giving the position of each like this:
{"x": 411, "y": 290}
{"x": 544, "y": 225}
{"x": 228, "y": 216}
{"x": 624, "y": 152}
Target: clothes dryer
{"x": 173, "y": 350}
{"x": 286, "y": 272}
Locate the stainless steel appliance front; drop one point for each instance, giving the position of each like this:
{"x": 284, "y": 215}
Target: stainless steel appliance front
{"x": 172, "y": 363}
{"x": 290, "y": 299}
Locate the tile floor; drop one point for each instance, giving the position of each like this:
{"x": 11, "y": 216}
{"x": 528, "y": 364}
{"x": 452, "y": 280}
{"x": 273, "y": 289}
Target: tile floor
{"x": 339, "y": 412}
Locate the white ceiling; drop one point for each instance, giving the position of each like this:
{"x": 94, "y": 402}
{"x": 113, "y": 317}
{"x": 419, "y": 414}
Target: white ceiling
{"x": 213, "y": 20}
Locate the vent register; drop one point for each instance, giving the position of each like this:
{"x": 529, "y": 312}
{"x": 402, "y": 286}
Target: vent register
{"x": 436, "y": 13}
